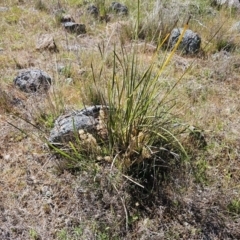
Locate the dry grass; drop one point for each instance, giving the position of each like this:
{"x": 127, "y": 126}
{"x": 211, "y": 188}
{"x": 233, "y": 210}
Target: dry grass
{"x": 40, "y": 199}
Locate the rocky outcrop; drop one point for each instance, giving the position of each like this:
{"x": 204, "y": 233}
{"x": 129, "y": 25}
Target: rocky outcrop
{"x": 33, "y": 80}
{"x": 67, "y": 126}
{"x": 119, "y": 8}
{"x": 190, "y": 43}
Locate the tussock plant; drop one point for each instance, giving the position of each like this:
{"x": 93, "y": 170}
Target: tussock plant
{"x": 137, "y": 125}
{"x": 140, "y": 122}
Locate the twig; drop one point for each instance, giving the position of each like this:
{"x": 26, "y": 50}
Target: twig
{"x": 133, "y": 181}
{"x": 114, "y": 161}
{"x": 124, "y": 207}
{"x": 126, "y": 213}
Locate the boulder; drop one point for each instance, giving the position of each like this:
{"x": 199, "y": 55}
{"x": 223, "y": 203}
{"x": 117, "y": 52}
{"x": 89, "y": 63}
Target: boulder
{"x": 190, "y": 43}
{"x": 66, "y": 126}
{"x": 76, "y": 28}
{"x": 46, "y": 42}
{"x": 119, "y": 8}
{"x": 33, "y": 80}
{"x": 93, "y": 10}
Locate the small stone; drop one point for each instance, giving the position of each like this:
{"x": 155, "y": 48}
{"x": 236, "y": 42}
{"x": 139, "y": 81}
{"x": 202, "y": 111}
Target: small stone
{"x": 48, "y": 194}
{"x": 76, "y": 28}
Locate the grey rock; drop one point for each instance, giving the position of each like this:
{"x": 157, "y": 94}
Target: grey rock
{"x": 190, "y": 43}
{"x": 33, "y": 80}
{"x": 76, "y": 28}
{"x": 119, "y": 8}
{"x": 65, "y": 126}
{"x": 93, "y": 10}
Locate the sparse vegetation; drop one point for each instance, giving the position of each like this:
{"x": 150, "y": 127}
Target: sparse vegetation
{"x": 33, "y": 234}
{"x": 164, "y": 164}
{"x": 234, "y": 207}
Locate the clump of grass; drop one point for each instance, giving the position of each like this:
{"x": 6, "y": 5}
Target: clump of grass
{"x": 155, "y": 24}
{"x": 14, "y": 15}
{"x": 138, "y": 125}
{"x": 139, "y": 119}
{"x": 34, "y": 235}
{"x": 5, "y": 102}
{"x": 225, "y": 44}
{"x": 234, "y": 207}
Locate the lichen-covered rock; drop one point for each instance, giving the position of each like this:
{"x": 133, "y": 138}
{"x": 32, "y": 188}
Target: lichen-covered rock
{"x": 76, "y": 28}
{"x": 93, "y": 10}
{"x": 190, "y": 43}
{"x": 33, "y": 80}
{"x": 65, "y": 126}
{"x": 119, "y": 8}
